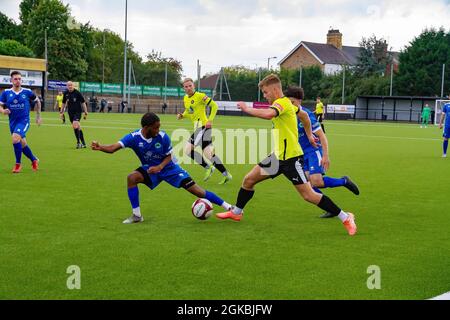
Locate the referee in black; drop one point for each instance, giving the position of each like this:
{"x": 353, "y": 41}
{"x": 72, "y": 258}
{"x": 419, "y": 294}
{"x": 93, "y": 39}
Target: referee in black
{"x": 75, "y": 103}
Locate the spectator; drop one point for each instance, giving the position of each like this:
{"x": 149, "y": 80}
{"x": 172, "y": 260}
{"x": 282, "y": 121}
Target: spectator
{"x": 164, "y": 107}
{"x": 123, "y": 105}
{"x": 103, "y": 104}
{"x": 93, "y": 102}
{"x": 110, "y": 103}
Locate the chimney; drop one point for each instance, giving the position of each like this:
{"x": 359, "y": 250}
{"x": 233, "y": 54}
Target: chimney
{"x": 334, "y": 37}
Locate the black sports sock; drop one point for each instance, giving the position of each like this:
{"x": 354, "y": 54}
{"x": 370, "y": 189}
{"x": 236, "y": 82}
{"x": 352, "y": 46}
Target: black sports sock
{"x": 218, "y": 164}
{"x": 197, "y": 157}
{"x": 77, "y": 134}
{"x": 244, "y": 197}
{"x": 328, "y": 205}
{"x": 323, "y": 128}
{"x": 82, "y": 137}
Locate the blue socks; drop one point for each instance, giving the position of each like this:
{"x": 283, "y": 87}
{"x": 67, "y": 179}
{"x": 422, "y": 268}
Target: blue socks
{"x": 445, "y": 146}
{"x": 333, "y": 183}
{"x": 18, "y": 152}
{"x": 133, "y": 195}
{"x": 317, "y": 190}
{"x": 213, "y": 198}
{"x": 27, "y": 152}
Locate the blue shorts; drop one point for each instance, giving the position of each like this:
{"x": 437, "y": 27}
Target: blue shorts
{"x": 312, "y": 162}
{"x": 20, "y": 127}
{"x": 447, "y": 132}
{"x": 175, "y": 176}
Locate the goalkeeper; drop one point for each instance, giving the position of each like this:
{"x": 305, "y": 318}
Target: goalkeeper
{"x": 426, "y": 113}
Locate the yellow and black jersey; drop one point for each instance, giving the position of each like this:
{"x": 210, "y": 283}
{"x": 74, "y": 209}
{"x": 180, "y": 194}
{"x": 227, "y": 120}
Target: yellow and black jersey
{"x": 195, "y": 109}
{"x": 285, "y": 130}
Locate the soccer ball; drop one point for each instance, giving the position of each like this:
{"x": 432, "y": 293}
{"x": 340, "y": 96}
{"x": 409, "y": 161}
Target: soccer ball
{"x": 202, "y": 209}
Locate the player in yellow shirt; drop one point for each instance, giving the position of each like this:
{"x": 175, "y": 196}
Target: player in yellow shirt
{"x": 287, "y": 157}
{"x": 59, "y": 103}
{"x": 195, "y": 104}
{"x": 320, "y": 113}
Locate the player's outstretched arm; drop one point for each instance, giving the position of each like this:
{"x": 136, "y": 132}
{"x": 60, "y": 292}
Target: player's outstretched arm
{"x": 441, "y": 123}
{"x": 85, "y": 110}
{"x": 106, "y": 149}
{"x": 266, "y": 114}
{"x": 324, "y": 142}
{"x": 304, "y": 118}
{"x": 38, "y": 112}
{"x": 214, "y": 109}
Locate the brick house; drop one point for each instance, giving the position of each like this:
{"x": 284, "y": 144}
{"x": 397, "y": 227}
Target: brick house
{"x": 330, "y": 57}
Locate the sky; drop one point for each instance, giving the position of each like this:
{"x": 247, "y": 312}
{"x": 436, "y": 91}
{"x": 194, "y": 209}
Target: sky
{"x": 249, "y": 32}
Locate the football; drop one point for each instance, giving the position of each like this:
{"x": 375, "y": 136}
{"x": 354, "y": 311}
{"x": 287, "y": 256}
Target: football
{"x": 202, "y": 209}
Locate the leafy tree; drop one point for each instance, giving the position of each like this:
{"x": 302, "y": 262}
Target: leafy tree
{"x": 374, "y": 56}
{"x": 14, "y": 48}
{"x": 9, "y": 29}
{"x": 420, "y": 71}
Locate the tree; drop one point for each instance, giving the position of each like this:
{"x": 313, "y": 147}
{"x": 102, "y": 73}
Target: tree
{"x": 26, "y": 8}
{"x": 374, "y": 56}
{"x": 14, "y": 48}
{"x": 9, "y": 29}
{"x": 420, "y": 71}
{"x": 65, "y": 47}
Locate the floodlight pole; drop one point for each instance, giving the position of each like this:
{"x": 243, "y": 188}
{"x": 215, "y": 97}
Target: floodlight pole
{"x": 392, "y": 80}
{"x": 46, "y": 63}
{"x": 198, "y": 75}
{"x": 259, "y": 80}
{"x": 301, "y": 77}
{"x": 165, "y": 85}
{"x": 125, "y": 53}
{"x": 343, "y": 85}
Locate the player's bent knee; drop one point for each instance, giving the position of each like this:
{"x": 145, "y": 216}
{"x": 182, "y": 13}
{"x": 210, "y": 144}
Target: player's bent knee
{"x": 16, "y": 138}
{"x": 316, "y": 181}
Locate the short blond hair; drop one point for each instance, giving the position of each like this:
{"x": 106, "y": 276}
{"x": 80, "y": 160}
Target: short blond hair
{"x": 187, "y": 80}
{"x": 271, "y": 79}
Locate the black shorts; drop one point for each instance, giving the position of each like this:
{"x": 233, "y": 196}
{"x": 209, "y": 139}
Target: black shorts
{"x": 320, "y": 118}
{"x": 75, "y": 117}
{"x": 201, "y": 137}
{"x": 291, "y": 169}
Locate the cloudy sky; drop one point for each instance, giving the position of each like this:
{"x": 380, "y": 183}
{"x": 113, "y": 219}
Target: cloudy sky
{"x": 248, "y": 32}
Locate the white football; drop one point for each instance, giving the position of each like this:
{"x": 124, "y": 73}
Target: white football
{"x": 202, "y": 209}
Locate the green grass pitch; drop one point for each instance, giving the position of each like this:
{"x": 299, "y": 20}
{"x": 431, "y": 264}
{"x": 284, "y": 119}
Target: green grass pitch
{"x": 70, "y": 213}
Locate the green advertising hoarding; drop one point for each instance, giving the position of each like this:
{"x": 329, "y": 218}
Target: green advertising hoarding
{"x": 152, "y": 91}
{"x": 112, "y": 88}
{"x": 91, "y": 87}
{"x": 171, "y": 92}
{"x": 115, "y": 88}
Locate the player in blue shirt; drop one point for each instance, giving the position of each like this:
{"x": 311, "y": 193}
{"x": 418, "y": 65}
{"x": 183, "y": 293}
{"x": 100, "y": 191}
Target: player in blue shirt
{"x": 15, "y": 103}
{"x": 154, "y": 149}
{"x": 445, "y": 116}
{"x": 316, "y": 159}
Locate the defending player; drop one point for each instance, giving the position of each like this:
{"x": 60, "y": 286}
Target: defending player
{"x": 15, "y": 102}
{"x": 153, "y": 148}
{"x": 286, "y": 158}
{"x": 195, "y": 104}
{"x": 316, "y": 159}
{"x": 445, "y": 116}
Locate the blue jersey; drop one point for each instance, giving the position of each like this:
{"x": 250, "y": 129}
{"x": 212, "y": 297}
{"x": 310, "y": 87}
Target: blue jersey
{"x": 18, "y": 104}
{"x": 303, "y": 138}
{"x": 151, "y": 151}
{"x": 446, "y": 111}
